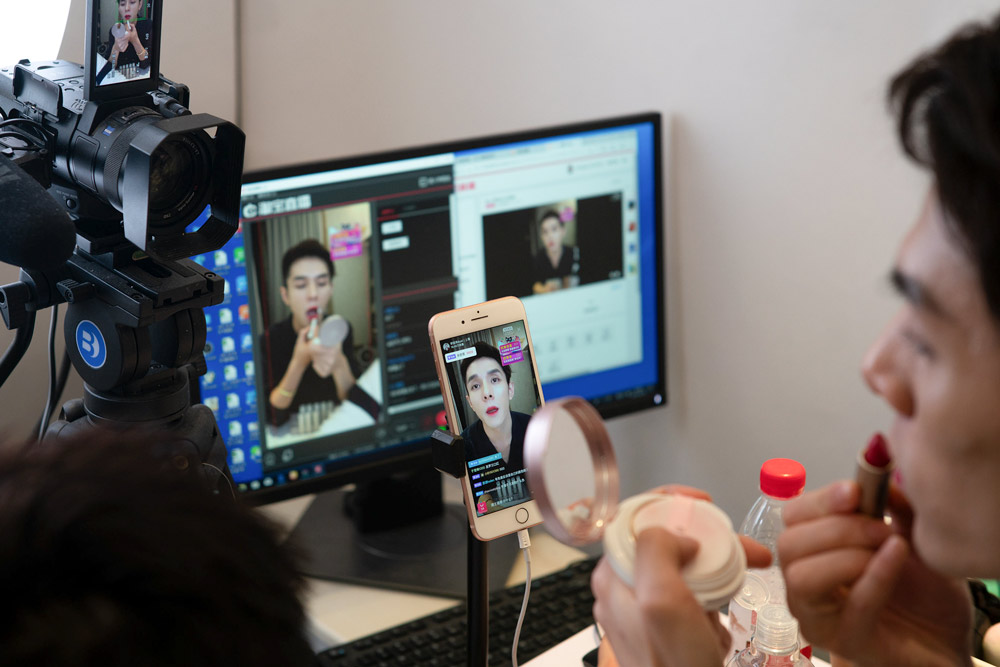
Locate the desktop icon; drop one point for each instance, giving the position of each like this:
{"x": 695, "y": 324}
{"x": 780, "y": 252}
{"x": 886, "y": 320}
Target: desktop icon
{"x": 221, "y": 258}
{"x": 232, "y": 401}
{"x": 236, "y": 457}
{"x": 225, "y": 316}
{"x": 228, "y": 344}
{"x": 235, "y": 429}
{"x": 230, "y": 373}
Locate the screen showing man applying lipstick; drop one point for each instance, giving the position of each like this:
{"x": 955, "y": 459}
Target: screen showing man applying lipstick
{"x": 496, "y": 393}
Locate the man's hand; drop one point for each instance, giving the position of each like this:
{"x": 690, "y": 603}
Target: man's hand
{"x": 302, "y": 353}
{"x": 659, "y": 623}
{"x": 324, "y": 358}
{"x": 857, "y": 587}
{"x": 122, "y": 42}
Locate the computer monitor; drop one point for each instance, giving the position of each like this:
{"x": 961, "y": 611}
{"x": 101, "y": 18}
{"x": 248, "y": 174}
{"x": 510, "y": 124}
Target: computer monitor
{"x": 390, "y": 239}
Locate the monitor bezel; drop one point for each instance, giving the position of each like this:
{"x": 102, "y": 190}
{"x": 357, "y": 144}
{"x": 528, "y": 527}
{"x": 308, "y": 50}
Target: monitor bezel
{"x": 398, "y": 458}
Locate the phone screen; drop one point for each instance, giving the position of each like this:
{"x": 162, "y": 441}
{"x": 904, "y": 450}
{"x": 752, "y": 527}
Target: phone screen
{"x": 495, "y": 392}
{"x": 123, "y": 40}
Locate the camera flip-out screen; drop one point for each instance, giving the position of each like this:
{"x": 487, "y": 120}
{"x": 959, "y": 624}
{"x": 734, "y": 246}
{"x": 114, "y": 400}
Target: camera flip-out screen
{"x": 123, "y": 46}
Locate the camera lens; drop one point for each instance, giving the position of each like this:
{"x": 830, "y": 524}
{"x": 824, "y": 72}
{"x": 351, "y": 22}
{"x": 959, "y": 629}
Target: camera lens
{"x": 171, "y": 175}
{"x": 178, "y": 179}
{"x": 179, "y": 168}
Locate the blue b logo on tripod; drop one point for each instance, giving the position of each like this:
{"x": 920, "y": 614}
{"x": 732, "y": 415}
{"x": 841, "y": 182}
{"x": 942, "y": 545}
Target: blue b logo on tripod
{"x": 90, "y": 344}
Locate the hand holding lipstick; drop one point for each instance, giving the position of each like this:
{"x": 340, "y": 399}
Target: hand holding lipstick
{"x": 855, "y": 584}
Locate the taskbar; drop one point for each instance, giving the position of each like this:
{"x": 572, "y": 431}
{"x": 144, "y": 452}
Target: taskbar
{"x": 401, "y": 430}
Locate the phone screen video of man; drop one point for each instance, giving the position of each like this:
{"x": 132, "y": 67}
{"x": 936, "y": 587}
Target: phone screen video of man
{"x": 496, "y": 393}
{"x": 123, "y": 40}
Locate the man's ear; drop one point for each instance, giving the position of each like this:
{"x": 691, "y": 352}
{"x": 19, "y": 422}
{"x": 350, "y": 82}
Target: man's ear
{"x": 284, "y": 295}
{"x": 510, "y": 390}
{"x": 469, "y": 400}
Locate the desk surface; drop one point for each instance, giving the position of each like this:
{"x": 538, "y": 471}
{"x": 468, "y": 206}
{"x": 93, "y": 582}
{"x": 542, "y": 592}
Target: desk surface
{"x": 340, "y": 613}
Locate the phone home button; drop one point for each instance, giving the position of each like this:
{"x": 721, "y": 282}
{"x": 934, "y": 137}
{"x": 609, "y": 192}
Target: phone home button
{"x": 521, "y": 515}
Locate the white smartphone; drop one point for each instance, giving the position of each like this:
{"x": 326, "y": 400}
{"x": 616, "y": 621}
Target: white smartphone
{"x": 486, "y": 366}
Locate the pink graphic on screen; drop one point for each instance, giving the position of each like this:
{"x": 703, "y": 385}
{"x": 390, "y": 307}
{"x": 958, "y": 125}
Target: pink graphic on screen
{"x": 511, "y": 352}
{"x": 345, "y": 243}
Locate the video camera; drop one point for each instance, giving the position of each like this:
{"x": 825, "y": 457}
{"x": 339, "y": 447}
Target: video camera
{"x": 136, "y": 184}
{"x": 115, "y": 144}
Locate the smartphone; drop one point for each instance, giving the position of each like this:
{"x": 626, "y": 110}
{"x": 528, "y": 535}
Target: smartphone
{"x": 486, "y": 366}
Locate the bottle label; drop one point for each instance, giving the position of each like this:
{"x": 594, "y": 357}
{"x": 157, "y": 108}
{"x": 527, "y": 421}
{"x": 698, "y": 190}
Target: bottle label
{"x": 742, "y": 623}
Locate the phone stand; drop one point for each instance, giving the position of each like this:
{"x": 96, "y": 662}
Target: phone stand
{"x": 448, "y": 452}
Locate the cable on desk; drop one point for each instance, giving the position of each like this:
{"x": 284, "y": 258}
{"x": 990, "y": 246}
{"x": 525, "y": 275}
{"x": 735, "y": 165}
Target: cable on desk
{"x": 524, "y": 542}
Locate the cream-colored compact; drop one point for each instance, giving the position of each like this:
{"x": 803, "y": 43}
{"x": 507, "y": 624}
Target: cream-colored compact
{"x": 573, "y": 476}
{"x": 717, "y": 571}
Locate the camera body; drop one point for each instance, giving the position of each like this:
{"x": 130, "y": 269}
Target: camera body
{"x": 138, "y": 165}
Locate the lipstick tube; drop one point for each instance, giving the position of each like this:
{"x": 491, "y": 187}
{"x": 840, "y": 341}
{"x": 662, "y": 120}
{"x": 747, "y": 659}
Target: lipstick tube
{"x": 873, "y": 472}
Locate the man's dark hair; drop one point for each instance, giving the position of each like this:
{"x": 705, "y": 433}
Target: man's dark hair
{"x": 307, "y": 248}
{"x": 947, "y": 104}
{"x": 550, "y": 213}
{"x": 484, "y": 350}
{"x": 109, "y": 555}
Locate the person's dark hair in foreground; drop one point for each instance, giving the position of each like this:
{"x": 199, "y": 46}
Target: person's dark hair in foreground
{"x": 948, "y": 112}
{"x": 110, "y": 555}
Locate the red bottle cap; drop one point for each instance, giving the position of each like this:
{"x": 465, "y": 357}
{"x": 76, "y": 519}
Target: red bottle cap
{"x": 782, "y": 478}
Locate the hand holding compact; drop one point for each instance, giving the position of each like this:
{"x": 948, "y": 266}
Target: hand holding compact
{"x": 324, "y": 358}
{"x": 671, "y": 557}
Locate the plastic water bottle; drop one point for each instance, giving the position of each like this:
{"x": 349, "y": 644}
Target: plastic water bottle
{"x": 780, "y": 481}
{"x": 775, "y": 643}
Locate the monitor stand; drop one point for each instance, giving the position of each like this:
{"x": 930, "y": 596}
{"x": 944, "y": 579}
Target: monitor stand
{"x": 426, "y": 554}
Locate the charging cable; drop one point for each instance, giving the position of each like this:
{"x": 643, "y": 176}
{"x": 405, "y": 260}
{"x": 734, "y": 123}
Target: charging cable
{"x": 524, "y": 542}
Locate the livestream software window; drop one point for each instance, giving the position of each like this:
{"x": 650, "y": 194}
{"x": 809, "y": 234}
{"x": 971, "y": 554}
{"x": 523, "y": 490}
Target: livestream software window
{"x": 411, "y": 238}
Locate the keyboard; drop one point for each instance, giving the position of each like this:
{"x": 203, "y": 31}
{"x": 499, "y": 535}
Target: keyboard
{"x": 560, "y": 605}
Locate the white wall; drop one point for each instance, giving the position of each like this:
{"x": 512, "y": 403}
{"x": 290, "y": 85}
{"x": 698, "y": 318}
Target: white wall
{"x": 787, "y": 191}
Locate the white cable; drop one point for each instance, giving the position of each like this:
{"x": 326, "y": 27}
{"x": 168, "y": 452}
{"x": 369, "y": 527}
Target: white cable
{"x": 524, "y": 542}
